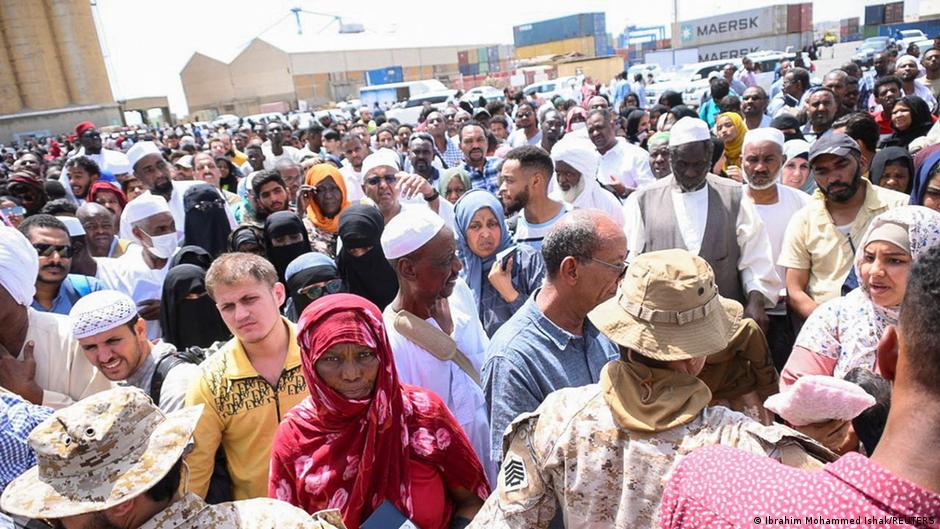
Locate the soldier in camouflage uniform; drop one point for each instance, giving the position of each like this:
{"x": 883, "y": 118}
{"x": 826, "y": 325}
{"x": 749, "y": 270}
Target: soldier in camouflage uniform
{"x": 115, "y": 460}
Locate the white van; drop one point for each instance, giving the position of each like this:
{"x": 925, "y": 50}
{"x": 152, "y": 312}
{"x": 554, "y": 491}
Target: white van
{"x": 386, "y": 95}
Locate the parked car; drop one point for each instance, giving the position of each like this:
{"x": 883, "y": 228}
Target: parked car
{"x": 265, "y": 118}
{"x": 229, "y": 121}
{"x": 489, "y": 93}
{"x": 568, "y": 87}
{"x": 408, "y": 112}
{"x": 865, "y": 53}
{"x": 908, "y": 36}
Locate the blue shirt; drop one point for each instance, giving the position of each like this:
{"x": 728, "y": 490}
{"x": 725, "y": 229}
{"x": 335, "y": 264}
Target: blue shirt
{"x": 488, "y": 178}
{"x": 530, "y": 357}
{"x": 70, "y": 291}
{"x": 17, "y": 419}
{"x": 452, "y": 154}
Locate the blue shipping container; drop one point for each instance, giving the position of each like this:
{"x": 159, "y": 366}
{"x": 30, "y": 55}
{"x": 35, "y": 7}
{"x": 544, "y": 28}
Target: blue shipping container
{"x": 390, "y": 74}
{"x": 874, "y": 15}
{"x": 929, "y": 27}
{"x": 492, "y": 54}
{"x": 473, "y": 69}
{"x": 600, "y": 45}
{"x": 464, "y": 69}
{"x": 582, "y": 25}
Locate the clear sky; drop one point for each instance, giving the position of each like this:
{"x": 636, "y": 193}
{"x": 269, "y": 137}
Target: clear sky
{"x": 146, "y": 43}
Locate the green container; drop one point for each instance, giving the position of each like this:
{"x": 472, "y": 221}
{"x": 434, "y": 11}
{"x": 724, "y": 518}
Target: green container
{"x": 870, "y": 31}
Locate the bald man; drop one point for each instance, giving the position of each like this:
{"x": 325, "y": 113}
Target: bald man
{"x": 101, "y": 231}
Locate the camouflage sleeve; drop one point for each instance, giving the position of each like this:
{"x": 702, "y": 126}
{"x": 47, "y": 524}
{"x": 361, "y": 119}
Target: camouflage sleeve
{"x": 207, "y": 437}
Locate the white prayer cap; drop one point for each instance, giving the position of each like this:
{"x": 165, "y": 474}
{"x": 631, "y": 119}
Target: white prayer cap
{"x": 578, "y": 153}
{"x": 99, "y": 312}
{"x": 74, "y": 226}
{"x": 141, "y": 149}
{"x": 380, "y": 158}
{"x": 764, "y": 134}
{"x": 19, "y": 265}
{"x": 688, "y": 130}
{"x": 144, "y": 206}
{"x": 907, "y": 58}
{"x": 794, "y": 148}
{"x": 409, "y": 230}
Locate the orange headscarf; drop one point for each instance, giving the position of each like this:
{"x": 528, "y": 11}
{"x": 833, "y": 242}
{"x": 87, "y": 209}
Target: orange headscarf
{"x": 315, "y": 175}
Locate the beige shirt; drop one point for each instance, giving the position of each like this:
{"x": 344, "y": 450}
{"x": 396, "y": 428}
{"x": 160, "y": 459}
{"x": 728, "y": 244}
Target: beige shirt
{"x": 62, "y": 370}
{"x": 571, "y": 456}
{"x": 261, "y": 513}
{"x": 812, "y": 241}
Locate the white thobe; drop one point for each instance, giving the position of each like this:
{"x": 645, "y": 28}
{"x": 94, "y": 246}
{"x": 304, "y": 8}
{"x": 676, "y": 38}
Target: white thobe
{"x": 131, "y": 275}
{"x": 353, "y": 180}
{"x": 177, "y": 210}
{"x": 627, "y": 164}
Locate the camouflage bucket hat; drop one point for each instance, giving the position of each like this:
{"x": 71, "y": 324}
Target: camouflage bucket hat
{"x": 99, "y": 452}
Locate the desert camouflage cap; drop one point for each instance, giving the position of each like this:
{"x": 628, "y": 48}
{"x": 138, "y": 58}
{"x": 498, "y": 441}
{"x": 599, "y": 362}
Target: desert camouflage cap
{"x": 99, "y": 452}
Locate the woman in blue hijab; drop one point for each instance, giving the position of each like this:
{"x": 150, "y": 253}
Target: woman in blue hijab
{"x": 500, "y": 274}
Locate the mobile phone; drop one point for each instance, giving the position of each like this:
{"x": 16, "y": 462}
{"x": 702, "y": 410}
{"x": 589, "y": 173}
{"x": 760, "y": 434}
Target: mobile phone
{"x": 504, "y": 257}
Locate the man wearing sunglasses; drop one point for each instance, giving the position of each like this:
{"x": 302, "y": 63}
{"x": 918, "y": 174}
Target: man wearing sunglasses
{"x": 114, "y": 162}
{"x": 56, "y": 289}
{"x": 392, "y": 190}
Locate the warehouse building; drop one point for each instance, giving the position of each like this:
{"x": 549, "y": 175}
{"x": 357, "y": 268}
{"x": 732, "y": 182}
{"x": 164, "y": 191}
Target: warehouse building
{"x": 301, "y": 75}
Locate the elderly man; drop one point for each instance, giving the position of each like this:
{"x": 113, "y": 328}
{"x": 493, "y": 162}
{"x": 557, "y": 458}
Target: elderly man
{"x": 908, "y": 70}
{"x": 576, "y": 162}
{"x": 523, "y": 188}
{"x": 483, "y": 170}
{"x": 292, "y": 174}
{"x": 394, "y": 191}
{"x": 250, "y": 382}
{"x": 206, "y": 170}
{"x": 92, "y": 471}
{"x": 39, "y": 360}
{"x": 819, "y": 245}
{"x": 100, "y": 228}
{"x": 761, "y": 161}
{"x": 597, "y": 455}
{"x": 56, "y": 288}
{"x": 658, "y": 146}
{"x": 549, "y": 344}
{"x": 140, "y": 274}
{"x": 114, "y": 339}
{"x": 822, "y": 106}
{"x": 704, "y": 214}
{"x": 434, "y": 307}
{"x": 276, "y": 148}
{"x": 623, "y": 165}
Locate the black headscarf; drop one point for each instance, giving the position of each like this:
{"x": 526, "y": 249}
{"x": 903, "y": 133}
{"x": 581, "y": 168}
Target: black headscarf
{"x": 189, "y": 322}
{"x": 207, "y": 225}
{"x": 368, "y": 275}
{"x": 277, "y": 225}
{"x": 920, "y": 122}
{"x": 670, "y": 98}
{"x": 788, "y": 122}
{"x": 886, "y": 156}
{"x": 192, "y": 255}
{"x": 244, "y": 235}
{"x": 681, "y": 111}
{"x": 304, "y": 271}
{"x": 633, "y": 118}
{"x": 230, "y": 182}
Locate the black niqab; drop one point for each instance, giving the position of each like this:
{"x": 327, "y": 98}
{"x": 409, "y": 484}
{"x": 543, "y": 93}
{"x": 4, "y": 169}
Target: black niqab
{"x": 207, "y": 225}
{"x": 189, "y": 322}
{"x": 368, "y": 275}
{"x": 280, "y": 224}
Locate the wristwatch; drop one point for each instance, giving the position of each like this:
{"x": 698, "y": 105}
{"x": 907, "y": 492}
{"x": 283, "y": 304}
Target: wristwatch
{"x": 433, "y": 196}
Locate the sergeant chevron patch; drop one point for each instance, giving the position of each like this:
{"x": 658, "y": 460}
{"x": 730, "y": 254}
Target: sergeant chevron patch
{"x": 514, "y": 474}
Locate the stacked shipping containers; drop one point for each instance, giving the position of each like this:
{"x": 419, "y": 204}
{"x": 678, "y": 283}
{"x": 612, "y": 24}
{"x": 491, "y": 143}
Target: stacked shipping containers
{"x": 475, "y": 61}
{"x": 585, "y": 33}
{"x": 894, "y": 13}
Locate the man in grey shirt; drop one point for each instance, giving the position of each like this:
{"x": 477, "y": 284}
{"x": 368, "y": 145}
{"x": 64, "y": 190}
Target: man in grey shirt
{"x": 549, "y": 344}
{"x": 114, "y": 339}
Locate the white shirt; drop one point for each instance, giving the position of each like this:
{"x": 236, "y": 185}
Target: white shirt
{"x": 922, "y": 91}
{"x": 755, "y": 262}
{"x": 270, "y": 159}
{"x": 776, "y": 217}
{"x": 353, "y": 181}
{"x": 131, "y": 275}
{"x": 463, "y": 397}
{"x": 533, "y": 234}
{"x": 625, "y": 163}
{"x": 176, "y": 209}
{"x": 518, "y": 138}
{"x": 593, "y": 196}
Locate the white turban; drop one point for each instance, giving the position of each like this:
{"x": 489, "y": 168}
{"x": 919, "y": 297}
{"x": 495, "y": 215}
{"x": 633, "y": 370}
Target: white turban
{"x": 141, "y": 149}
{"x": 409, "y": 230}
{"x": 578, "y": 153}
{"x": 99, "y": 312}
{"x": 380, "y": 158}
{"x": 19, "y": 265}
{"x": 73, "y": 225}
{"x": 144, "y": 206}
{"x": 688, "y": 130}
{"x": 764, "y": 134}
{"x": 908, "y": 58}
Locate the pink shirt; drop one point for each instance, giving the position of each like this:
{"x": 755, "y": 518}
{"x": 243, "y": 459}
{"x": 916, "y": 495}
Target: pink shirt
{"x": 721, "y": 487}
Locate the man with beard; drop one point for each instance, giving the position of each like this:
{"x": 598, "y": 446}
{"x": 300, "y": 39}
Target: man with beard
{"x": 623, "y": 166}
{"x": 882, "y": 65}
{"x": 421, "y": 156}
{"x": 819, "y": 245}
{"x": 908, "y": 70}
{"x": 821, "y": 109}
{"x": 527, "y": 127}
{"x": 277, "y": 147}
{"x": 292, "y": 174}
{"x": 270, "y": 192}
{"x": 114, "y": 162}
{"x": 838, "y": 82}
{"x": 753, "y": 106}
{"x": 761, "y": 161}
{"x": 56, "y": 289}
{"x": 523, "y": 188}
{"x": 659, "y": 155}
{"x": 887, "y": 92}
{"x": 794, "y": 84}
{"x": 484, "y": 171}
{"x": 700, "y": 212}
{"x": 153, "y": 171}
{"x": 355, "y": 150}
{"x": 82, "y": 172}
{"x": 447, "y": 149}
{"x": 576, "y": 162}
{"x": 100, "y": 227}
{"x": 552, "y": 128}
{"x": 930, "y": 59}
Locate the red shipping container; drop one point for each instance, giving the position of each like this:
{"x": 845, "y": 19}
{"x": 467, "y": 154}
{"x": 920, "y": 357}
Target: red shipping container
{"x": 793, "y": 18}
{"x": 806, "y": 17}
{"x": 462, "y": 58}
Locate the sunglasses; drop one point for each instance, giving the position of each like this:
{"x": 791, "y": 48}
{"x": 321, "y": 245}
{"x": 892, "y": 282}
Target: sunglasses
{"x": 622, "y": 267}
{"x": 15, "y": 210}
{"x": 390, "y": 179}
{"x": 46, "y": 250}
{"x": 316, "y": 291}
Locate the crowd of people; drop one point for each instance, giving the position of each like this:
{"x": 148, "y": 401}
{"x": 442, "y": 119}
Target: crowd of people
{"x": 522, "y": 313}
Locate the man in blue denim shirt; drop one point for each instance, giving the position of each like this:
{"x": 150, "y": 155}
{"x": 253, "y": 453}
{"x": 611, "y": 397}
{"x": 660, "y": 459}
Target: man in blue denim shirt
{"x": 549, "y": 344}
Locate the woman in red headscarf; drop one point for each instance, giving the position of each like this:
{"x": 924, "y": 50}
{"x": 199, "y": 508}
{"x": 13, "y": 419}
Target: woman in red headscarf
{"x": 362, "y": 437}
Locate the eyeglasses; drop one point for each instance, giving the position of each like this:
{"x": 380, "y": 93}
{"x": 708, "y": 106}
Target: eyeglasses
{"x": 15, "y": 210}
{"x": 390, "y": 179}
{"x": 316, "y": 291}
{"x": 622, "y": 267}
{"x": 46, "y": 250}
{"x": 206, "y": 205}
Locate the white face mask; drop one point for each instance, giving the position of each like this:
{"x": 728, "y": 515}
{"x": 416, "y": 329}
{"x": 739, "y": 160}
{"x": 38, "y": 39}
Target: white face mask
{"x": 578, "y": 125}
{"x": 164, "y": 246}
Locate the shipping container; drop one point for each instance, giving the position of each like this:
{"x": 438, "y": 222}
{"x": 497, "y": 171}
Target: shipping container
{"x": 600, "y": 46}
{"x": 853, "y": 25}
{"x": 740, "y": 48}
{"x": 894, "y": 13}
{"x": 806, "y": 17}
{"x": 472, "y": 56}
{"x": 874, "y": 15}
{"x": 484, "y": 67}
{"x": 582, "y": 45}
{"x": 462, "y": 57}
{"x": 870, "y": 31}
{"x": 929, "y": 27}
{"x": 390, "y": 74}
{"x": 562, "y": 28}
{"x": 473, "y": 69}
{"x": 492, "y": 54}
{"x": 747, "y": 24}
{"x": 793, "y": 18}
{"x": 464, "y": 69}
{"x": 504, "y": 65}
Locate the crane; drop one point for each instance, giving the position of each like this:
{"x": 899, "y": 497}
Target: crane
{"x": 344, "y": 27}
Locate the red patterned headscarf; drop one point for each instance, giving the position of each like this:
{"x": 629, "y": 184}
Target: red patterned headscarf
{"x": 333, "y": 452}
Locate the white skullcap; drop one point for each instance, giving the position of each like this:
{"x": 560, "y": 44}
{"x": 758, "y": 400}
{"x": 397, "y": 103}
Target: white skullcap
{"x": 380, "y": 158}
{"x": 187, "y": 140}
{"x": 907, "y": 58}
{"x": 73, "y": 225}
{"x": 578, "y": 153}
{"x": 688, "y": 130}
{"x": 144, "y": 206}
{"x": 141, "y": 149}
{"x": 764, "y": 134}
{"x": 409, "y": 230}
{"x": 99, "y": 312}
{"x": 794, "y": 148}
{"x": 19, "y": 265}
